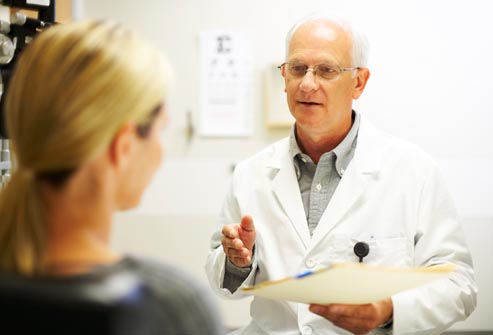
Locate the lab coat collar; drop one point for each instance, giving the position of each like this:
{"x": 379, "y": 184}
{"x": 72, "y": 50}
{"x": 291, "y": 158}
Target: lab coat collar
{"x": 364, "y": 166}
{"x": 285, "y": 187}
{"x": 370, "y": 148}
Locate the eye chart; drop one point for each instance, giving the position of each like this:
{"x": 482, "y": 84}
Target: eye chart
{"x": 225, "y": 90}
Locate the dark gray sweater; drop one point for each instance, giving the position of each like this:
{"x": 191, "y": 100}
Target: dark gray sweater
{"x": 181, "y": 305}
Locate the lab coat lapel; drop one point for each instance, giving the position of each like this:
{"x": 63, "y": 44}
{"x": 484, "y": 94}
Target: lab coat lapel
{"x": 363, "y": 168}
{"x": 286, "y": 189}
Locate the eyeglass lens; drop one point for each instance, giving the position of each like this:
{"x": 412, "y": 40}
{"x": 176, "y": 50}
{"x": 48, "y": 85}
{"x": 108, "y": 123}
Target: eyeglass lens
{"x": 322, "y": 70}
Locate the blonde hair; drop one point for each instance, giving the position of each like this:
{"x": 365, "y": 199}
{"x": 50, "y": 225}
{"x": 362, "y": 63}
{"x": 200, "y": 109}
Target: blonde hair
{"x": 73, "y": 87}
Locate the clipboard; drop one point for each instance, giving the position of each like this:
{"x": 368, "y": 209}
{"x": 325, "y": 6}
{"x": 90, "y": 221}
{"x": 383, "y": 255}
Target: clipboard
{"x": 348, "y": 283}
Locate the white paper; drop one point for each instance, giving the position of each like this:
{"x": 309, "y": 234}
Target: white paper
{"x": 349, "y": 283}
{"x": 225, "y": 91}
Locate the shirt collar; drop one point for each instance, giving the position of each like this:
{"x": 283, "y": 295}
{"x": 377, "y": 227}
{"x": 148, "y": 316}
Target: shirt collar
{"x": 344, "y": 151}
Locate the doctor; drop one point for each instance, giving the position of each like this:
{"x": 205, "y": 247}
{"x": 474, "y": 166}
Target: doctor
{"x": 305, "y": 201}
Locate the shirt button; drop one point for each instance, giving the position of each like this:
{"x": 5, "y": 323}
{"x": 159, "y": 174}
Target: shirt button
{"x": 307, "y": 330}
{"x": 342, "y": 171}
{"x": 319, "y": 187}
{"x": 310, "y": 263}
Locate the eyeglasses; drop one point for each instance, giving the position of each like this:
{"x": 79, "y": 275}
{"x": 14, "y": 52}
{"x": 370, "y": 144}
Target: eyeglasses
{"x": 325, "y": 71}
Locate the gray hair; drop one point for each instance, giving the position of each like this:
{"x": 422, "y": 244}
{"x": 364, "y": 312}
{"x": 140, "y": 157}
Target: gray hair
{"x": 360, "y": 42}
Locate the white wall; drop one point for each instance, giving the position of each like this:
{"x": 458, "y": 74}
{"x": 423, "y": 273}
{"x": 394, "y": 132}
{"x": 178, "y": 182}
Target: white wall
{"x": 430, "y": 64}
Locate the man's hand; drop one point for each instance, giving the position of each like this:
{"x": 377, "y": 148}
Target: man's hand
{"x": 358, "y": 319}
{"x": 238, "y": 241}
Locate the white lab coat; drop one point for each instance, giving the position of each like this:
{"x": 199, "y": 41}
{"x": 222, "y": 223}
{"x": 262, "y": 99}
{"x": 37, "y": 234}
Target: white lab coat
{"x": 391, "y": 196}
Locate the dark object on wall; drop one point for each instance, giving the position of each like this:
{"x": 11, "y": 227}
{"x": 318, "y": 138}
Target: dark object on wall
{"x": 14, "y": 36}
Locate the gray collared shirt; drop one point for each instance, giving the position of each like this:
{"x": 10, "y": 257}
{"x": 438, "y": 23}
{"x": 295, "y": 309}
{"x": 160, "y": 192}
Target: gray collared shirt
{"x": 318, "y": 182}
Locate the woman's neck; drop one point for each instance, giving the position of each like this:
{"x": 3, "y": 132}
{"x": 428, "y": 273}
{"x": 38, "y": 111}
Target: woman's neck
{"x": 77, "y": 252}
{"x": 78, "y": 219}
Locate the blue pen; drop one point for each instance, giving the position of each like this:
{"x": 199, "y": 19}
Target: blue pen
{"x": 303, "y": 274}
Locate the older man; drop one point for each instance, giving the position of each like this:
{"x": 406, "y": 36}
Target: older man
{"x": 306, "y": 200}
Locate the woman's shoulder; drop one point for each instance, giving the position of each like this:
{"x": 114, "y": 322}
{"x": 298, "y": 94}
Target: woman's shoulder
{"x": 161, "y": 276}
{"x": 177, "y": 295}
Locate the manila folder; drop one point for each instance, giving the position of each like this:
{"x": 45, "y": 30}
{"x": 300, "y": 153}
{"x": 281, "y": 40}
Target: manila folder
{"x": 348, "y": 283}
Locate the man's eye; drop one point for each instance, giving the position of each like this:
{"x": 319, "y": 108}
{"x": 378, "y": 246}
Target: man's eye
{"x": 298, "y": 68}
{"x": 326, "y": 69}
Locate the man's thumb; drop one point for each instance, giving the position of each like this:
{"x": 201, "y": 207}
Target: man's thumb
{"x": 247, "y": 224}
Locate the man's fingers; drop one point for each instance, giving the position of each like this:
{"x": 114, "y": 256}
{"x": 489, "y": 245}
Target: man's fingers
{"x": 230, "y": 231}
{"x": 234, "y": 243}
{"x": 237, "y": 241}
{"x": 240, "y": 257}
{"x": 319, "y": 309}
{"x": 341, "y": 311}
{"x": 234, "y": 248}
{"x": 241, "y": 262}
{"x": 235, "y": 253}
{"x": 357, "y": 319}
{"x": 345, "y": 311}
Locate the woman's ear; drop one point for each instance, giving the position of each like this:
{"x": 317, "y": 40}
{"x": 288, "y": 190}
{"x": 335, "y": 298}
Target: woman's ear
{"x": 120, "y": 151}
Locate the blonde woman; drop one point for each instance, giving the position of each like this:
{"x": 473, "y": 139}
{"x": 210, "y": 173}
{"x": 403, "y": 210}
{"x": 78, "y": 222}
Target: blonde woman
{"x": 84, "y": 112}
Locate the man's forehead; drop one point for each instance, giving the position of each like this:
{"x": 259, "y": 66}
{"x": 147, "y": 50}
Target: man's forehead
{"x": 324, "y": 41}
{"x": 320, "y": 29}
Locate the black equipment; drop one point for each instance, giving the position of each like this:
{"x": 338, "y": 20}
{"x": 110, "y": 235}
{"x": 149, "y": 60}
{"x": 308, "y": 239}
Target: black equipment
{"x": 15, "y": 35}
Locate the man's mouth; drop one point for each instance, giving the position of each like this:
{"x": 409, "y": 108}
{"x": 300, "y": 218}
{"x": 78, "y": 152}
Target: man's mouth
{"x": 309, "y": 103}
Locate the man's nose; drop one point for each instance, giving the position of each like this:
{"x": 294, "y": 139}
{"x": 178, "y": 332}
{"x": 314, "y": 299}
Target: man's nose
{"x": 309, "y": 81}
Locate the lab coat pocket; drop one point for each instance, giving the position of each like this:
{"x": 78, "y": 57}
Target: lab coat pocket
{"x": 392, "y": 251}
{"x": 383, "y": 251}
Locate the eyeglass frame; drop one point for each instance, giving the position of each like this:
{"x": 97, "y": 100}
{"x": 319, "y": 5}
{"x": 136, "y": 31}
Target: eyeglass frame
{"x": 314, "y": 71}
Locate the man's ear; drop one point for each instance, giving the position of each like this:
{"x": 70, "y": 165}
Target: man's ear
{"x": 360, "y": 82}
{"x": 283, "y": 74}
{"x": 121, "y": 146}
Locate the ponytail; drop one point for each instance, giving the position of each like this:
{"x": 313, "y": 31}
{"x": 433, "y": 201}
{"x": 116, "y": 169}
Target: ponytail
{"x": 22, "y": 226}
